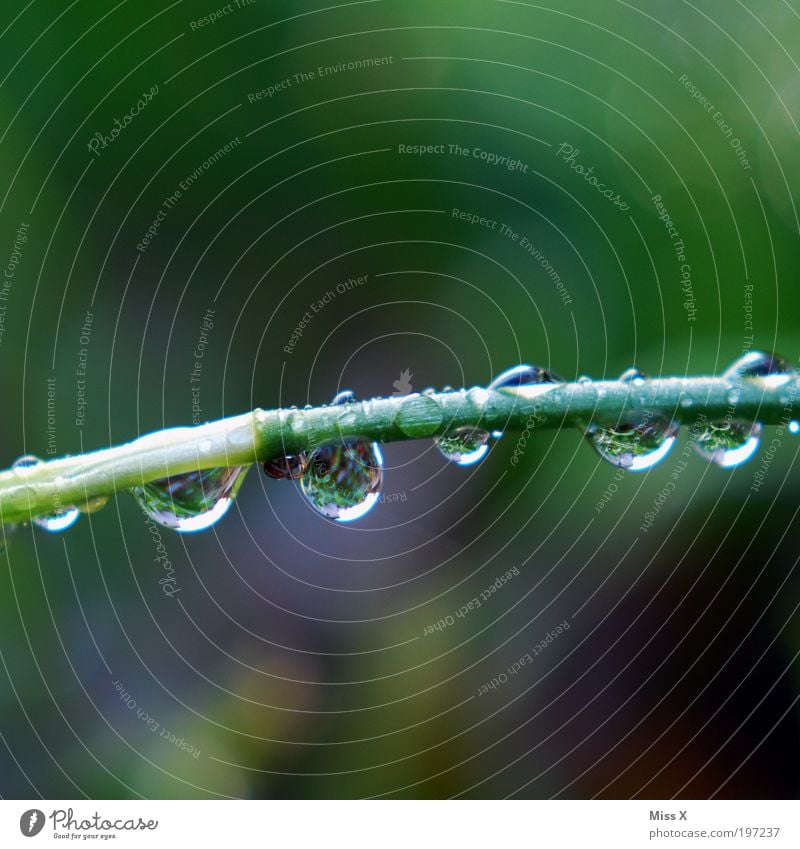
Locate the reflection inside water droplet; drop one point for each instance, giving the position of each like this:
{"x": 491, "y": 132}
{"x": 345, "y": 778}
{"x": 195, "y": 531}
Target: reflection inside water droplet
{"x": 464, "y": 446}
{"x": 342, "y": 480}
{"x": 288, "y": 466}
{"x": 637, "y": 445}
{"x": 192, "y": 501}
{"x": 58, "y": 521}
{"x": 728, "y": 443}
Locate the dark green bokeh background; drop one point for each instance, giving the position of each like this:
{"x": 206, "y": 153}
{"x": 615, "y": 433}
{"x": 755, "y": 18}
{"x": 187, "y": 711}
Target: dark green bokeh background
{"x": 294, "y": 656}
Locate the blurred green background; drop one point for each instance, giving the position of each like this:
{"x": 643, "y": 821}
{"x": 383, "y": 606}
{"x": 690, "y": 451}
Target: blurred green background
{"x": 298, "y": 657}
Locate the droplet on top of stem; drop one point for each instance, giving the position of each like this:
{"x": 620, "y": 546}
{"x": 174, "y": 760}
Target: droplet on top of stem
{"x": 769, "y": 369}
{"x": 525, "y": 380}
{"x": 632, "y": 375}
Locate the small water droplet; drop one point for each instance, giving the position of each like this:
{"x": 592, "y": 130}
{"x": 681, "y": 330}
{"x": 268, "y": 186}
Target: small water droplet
{"x": 727, "y": 443}
{"x": 346, "y": 396}
{"x": 584, "y": 379}
{"x": 769, "y": 369}
{"x": 523, "y": 375}
{"x": 296, "y": 421}
{"x": 794, "y": 427}
{"x": 478, "y": 396}
{"x": 54, "y": 522}
{"x": 204, "y": 446}
{"x": 93, "y": 504}
{"x": 22, "y": 465}
{"x": 636, "y": 446}
{"x": 192, "y": 501}
{"x": 419, "y": 416}
{"x": 464, "y": 446}
{"x": 342, "y": 481}
{"x": 632, "y": 375}
{"x": 686, "y": 402}
{"x": 525, "y": 381}
{"x": 429, "y": 391}
{"x": 58, "y": 521}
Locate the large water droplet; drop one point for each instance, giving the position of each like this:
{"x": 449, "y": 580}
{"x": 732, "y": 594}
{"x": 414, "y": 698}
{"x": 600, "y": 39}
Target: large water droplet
{"x": 343, "y": 480}
{"x": 728, "y": 443}
{"x": 54, "y": 522}
{"x": 635, "y": 446}
{"x": 769, "y": 369}
{"x": 192, "y": 501}
{"x": 464, "y": 445}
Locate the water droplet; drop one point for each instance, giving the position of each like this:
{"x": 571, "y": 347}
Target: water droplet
{"x": 59, "y": 521}
{"x": 93, "y": 504}
{"x": 296, "y": 421}
{"x": 478, "y": 396}
{"x": 22, "y": 465}
{"x": 192, "y": 501}
{"x": 635, "y": 446}
{"x": 54, "y": 522}
{"x": 342, "y": 481}
{"x": 205, "y": 445}
{"x": 419, "y": 416}
{"x": 464, "y": 445}
{"x": 728, "y": 443}
{"x": 794, "y": 427}
{"x": 632, "y": 375}
{"x": 289, "y": 466}
{"x": 527, "y": 381}
{"x": 346, "y": 396}
{"x": 584, "y": 379}
{"x": 769, "y": 369}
